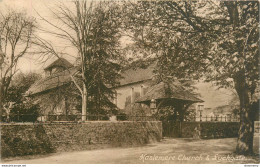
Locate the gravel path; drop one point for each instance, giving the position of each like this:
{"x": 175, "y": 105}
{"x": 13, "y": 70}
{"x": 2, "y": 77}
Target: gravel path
{"x": 180, "y": 151}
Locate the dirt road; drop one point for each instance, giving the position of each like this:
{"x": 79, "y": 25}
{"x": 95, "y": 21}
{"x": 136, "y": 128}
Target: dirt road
{"x": 181, "y": 151}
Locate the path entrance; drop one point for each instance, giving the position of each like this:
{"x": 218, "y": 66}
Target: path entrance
{"x": 171, "y": 128}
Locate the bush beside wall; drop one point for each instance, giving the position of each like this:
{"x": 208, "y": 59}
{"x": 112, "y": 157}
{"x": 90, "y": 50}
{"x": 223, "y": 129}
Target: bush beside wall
{"x": 18, "y": 140}
{"x": 31, "y": 139}
{"x": 209, "y": 130}
{"x": 219, "y": 129}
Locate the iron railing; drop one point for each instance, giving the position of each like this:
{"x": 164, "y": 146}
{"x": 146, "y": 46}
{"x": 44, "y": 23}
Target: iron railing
{"x": 213, "y": 119}
{"x": 73, "y": 118}
{"x": 103, "y": 117}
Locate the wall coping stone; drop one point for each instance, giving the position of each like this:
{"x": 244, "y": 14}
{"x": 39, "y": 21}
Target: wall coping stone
{"x": 61, "y": 123}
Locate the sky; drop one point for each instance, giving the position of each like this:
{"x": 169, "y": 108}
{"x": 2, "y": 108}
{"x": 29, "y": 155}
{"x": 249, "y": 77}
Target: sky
{"x": 32, "y": 63}
{"x": 212, "y": 96}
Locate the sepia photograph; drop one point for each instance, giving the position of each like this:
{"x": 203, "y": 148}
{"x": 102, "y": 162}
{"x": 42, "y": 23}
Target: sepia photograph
{"x": 129, "y": 82}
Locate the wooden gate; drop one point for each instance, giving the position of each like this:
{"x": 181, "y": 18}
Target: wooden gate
{"x": 171, "y": 129}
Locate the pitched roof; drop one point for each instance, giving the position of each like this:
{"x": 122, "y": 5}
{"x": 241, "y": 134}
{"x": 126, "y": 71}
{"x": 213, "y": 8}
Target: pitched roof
{"x": 133, "y": 75}
{"x": 61, "y": 62}
{"x": 168, "y": 91}
{"x": 58, "y": 79}
{"x": 129, "y": 76}
{"x": 51, "y": 82}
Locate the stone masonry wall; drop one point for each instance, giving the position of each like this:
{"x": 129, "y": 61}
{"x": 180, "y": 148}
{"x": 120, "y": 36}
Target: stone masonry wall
{"x": 31, "y": 139}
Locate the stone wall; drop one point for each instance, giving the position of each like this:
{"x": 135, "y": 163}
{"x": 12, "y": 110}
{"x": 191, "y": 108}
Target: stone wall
{"x": 31, "y": 139}
{"x": 209, "y": 130}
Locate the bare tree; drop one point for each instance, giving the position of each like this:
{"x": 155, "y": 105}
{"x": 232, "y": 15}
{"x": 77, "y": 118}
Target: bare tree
{"x": 16, "y": 31}
{"x": 92, "y": 29}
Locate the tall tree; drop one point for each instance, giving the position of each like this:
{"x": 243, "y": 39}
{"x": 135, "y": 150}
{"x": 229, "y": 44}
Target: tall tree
{"x": 16, "y": 34}
{"x": 92, "y": 28}
{"x": 217, "y": 41}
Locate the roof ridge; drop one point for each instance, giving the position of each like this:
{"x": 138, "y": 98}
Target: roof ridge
{"x": 64, "y": 61}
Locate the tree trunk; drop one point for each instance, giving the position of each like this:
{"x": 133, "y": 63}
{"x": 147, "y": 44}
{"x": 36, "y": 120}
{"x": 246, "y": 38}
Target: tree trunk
{"x": 245, "y": 135}
{"x": 1, "y": 101}
{"x": 66, "y": 108}
{"x": 1, "y": 107}
{"x": 84, "y": 103}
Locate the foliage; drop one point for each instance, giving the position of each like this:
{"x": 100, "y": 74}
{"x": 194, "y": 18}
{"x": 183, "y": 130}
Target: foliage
{"x": 16, "y": 94}
{"x": 211, "y": 130}
{"x": 219, "y": 129}
{"x": 102, "y": 64}
{"x": 19, "y": 85}
{"x": 25, "y": 140}
{"x": 168, "y": 113}
{"x": 178, "y": 32}
{"x": 215, "y": 41}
